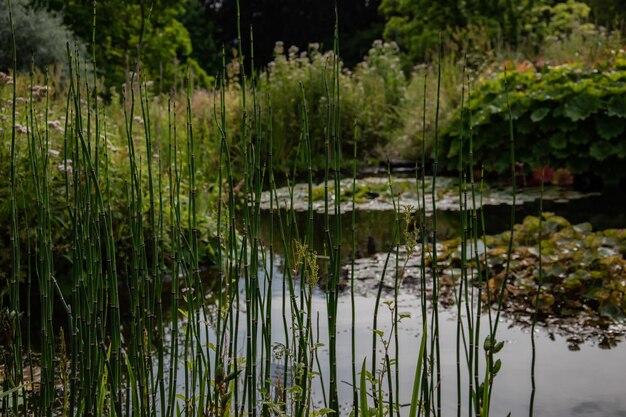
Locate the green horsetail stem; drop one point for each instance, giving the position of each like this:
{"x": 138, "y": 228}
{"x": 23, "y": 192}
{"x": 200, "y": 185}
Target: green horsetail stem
{"x": 462, "y": 280}
{"x": 531, "y": 410}
{"x": 14, "y": 363}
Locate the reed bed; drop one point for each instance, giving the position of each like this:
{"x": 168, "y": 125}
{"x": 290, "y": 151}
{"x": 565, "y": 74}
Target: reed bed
{"x": 145, "y": 333}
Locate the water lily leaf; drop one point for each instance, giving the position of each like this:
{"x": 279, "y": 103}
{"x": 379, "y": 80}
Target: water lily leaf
{"x": 607, "y": 251}
{"x": 579, "y": 136}
{"x": 539, "y": 114}
{"x": 599, "y": 294}
{"x": 585, "y": 228}
{"x": 572, "y": 283}
{"x": 581, "y": 106}
{"x": 612, "y": 311}
{"x": 545, "y": 300}
{"x": 555, "y": 271}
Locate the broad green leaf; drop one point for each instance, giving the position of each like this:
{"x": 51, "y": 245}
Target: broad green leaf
{"x": 611, "y": 310}
{"x": 601, "y": 150}
{"x": 617, "y": 106}
{"x": 525, "y": 125}
{"x": 563, "y": 124}
{"x": 558, "y": 140}
{"x": 581, "y": 106}
{"x": 610, "y": 127}
{"x": 579, "y": 136}
{"x": 539, "y": 114}
{"x": 621, "y": 149}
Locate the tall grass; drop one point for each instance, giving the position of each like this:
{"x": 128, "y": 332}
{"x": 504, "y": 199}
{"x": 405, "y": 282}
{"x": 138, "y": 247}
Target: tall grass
{"x": 14, "y": 362}
{"x": 139, "y": 336}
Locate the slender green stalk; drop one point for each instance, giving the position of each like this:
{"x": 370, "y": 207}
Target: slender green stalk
{"x": 14, "y": 368}
{"x": 423, "y": 239}
{"x": 491, "y": 366}
{"x": 463, "y": 253}
{"x": 531, "y": 408}
{"x": 335, "y": 262}
{"x": 435, "y": 347}
{"x": 396, "y": 288}
{"x": 355, "y": 394}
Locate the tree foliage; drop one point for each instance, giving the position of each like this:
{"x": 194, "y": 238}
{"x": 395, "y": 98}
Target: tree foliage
{"x": 298, "y": 23}
{"x": 201, "y": 28}
{"x": 126, "y": 29}
{"x": 609, "y": 13}
{"x": 417, "y": 24}
{"x": 37, "y": 31}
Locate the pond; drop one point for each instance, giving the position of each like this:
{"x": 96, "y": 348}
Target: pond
{"x": 585, "y": 379}
{"x": 375, "y": 219}
{"x": 579, "y": 371}
{"x": 579, "y": 367}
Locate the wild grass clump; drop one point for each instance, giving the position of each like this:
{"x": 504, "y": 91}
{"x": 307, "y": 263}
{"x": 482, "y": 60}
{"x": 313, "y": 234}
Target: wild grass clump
{"x": 42, "y": 111}
{"x": 370, "y": 97}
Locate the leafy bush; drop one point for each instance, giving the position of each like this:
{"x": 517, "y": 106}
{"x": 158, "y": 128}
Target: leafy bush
{"x": 417, "y": 24}
{"x": 557, "y": 21}
{"x": 369, "y": 96}
{"x": 407, "y": 140}
{"x": 36, "y": 30}
{"x": 571, "y": 116}
{"x": 562, "y": 32}
{"x": 122, "y": 26}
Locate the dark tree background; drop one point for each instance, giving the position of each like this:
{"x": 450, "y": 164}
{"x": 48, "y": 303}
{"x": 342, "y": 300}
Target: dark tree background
{"x": 180, "y": 34}
{"x": 298, "y": 22}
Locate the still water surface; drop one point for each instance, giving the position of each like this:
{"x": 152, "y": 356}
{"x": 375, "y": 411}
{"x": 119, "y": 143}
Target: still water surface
{"x": 586, "y": 381}
{"x": 589, "y": 381}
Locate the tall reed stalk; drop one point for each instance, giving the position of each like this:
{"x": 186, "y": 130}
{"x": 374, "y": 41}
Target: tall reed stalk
{"x": 13, "y": 367}
{"x": 531, "y": 408}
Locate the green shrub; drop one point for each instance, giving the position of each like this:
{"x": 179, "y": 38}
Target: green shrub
{"x": 563, "y": 32}
{"x": 407, "y": 140}
{"x": 571, "y": 116}
{"x": 123, "y": 27}
{"x": 417, "y": 24}
{"x": 36, "y": 30}
{"x": 369, "y": 96}
{"x": 557, "y": 21}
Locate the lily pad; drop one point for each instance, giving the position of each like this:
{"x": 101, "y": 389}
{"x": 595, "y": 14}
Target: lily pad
{"x": 376, "y": 193}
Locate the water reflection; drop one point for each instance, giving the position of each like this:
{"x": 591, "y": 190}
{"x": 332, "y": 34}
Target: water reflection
{"x": 587, "y": 382}
{"x": 375, "y": 229}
